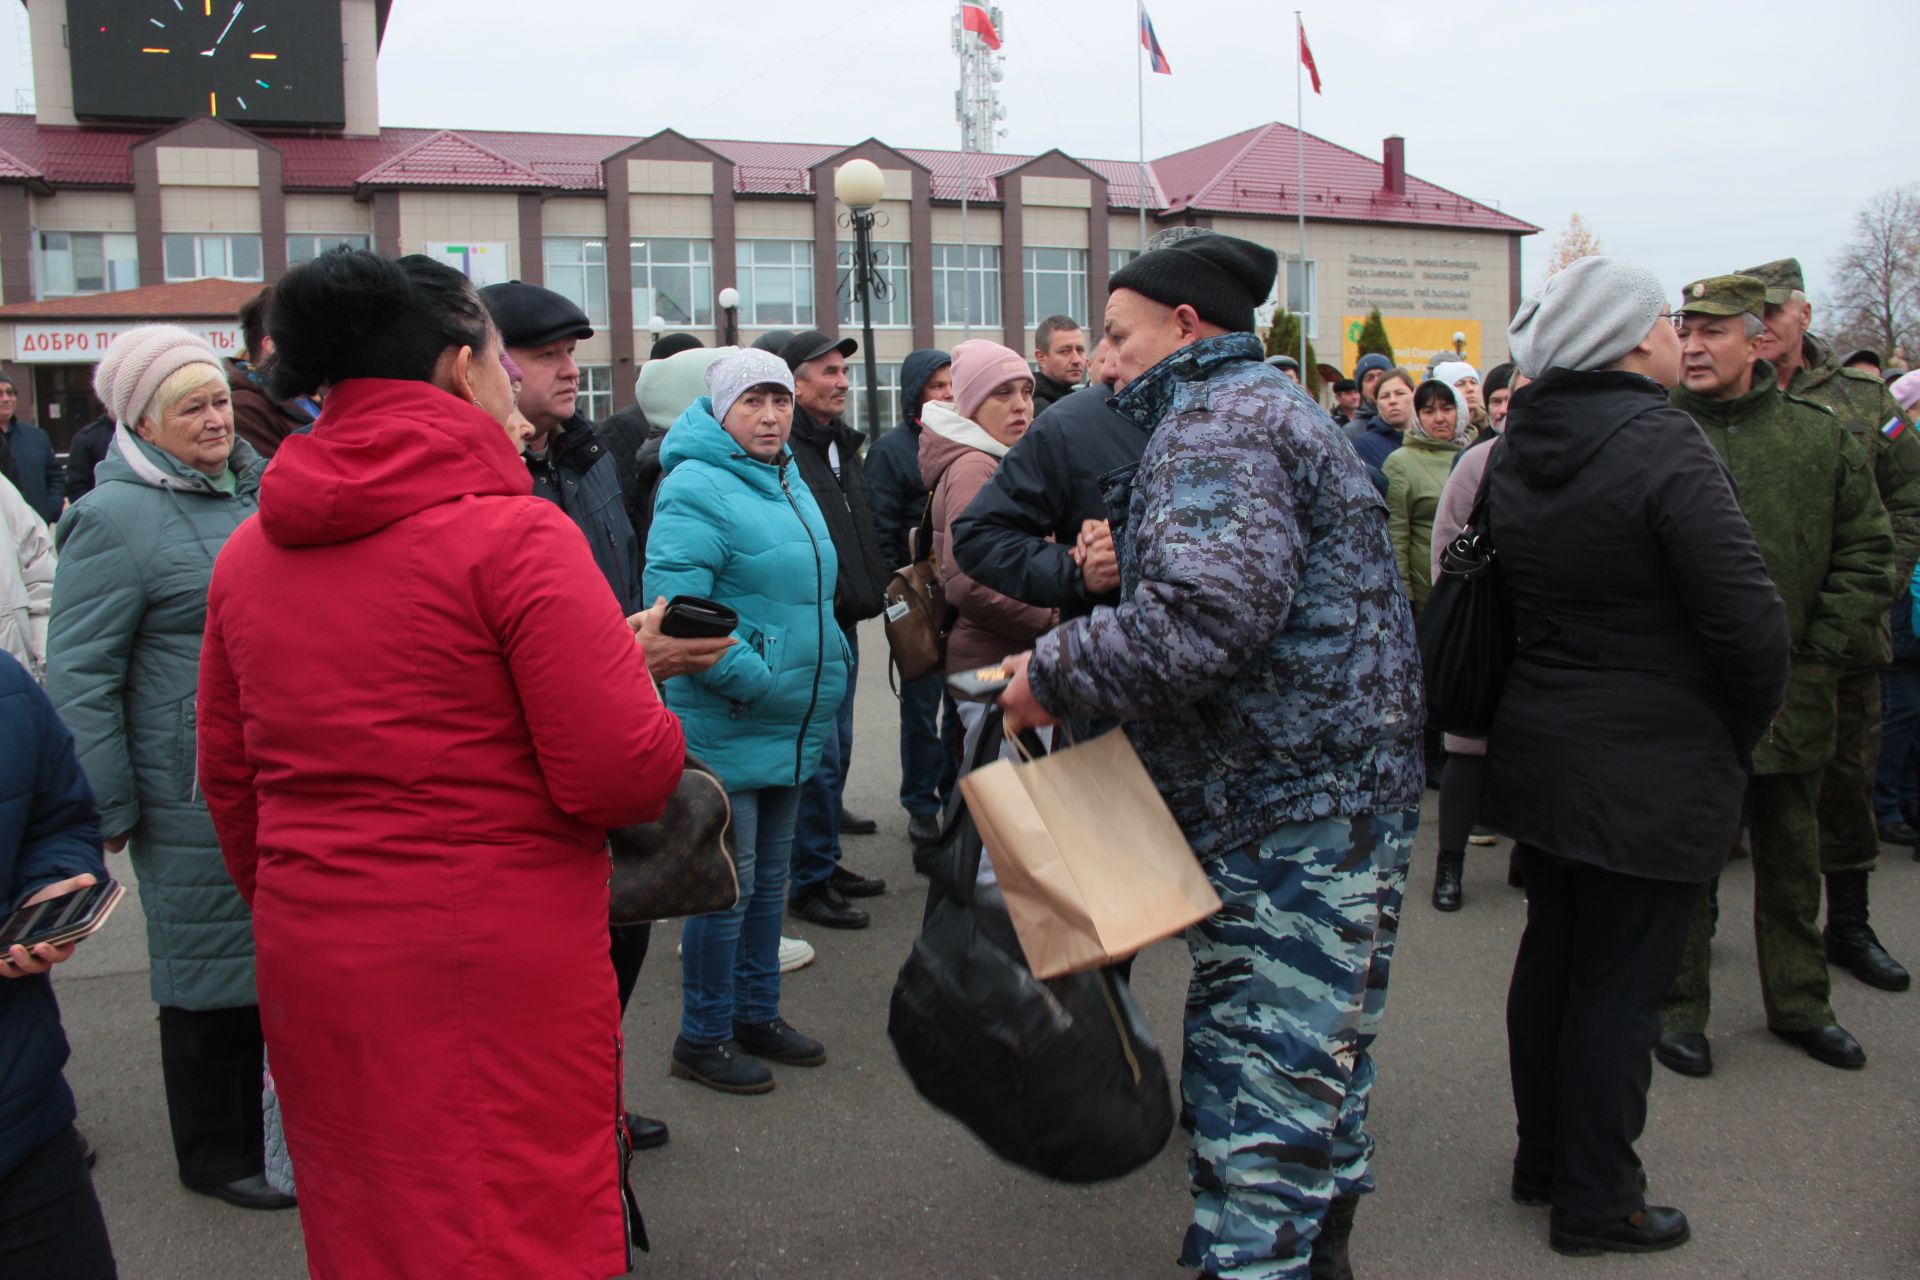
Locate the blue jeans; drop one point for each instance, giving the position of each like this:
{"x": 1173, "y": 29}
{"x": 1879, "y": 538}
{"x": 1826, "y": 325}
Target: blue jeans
{"x": 730, "y": 960}
{"x": 929, "y": 752}
{"x": 1896, "y": 783}
{"x": 816, "y": 837}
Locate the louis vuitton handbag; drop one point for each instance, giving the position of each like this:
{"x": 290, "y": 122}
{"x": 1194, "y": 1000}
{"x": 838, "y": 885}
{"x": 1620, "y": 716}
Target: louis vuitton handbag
{"x": 682, "y": 865}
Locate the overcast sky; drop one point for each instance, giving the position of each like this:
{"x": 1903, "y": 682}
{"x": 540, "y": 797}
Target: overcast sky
{"x": 1694, "y": 137}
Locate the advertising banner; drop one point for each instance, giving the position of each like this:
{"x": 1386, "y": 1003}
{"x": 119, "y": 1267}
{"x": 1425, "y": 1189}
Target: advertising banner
{"x": 1415, "y": 339}
{"x": 85, "y": 341}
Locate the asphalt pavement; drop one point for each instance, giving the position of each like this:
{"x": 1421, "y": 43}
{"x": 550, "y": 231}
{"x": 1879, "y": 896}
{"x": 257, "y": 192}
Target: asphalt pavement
{"x": 1786, "y": 1168}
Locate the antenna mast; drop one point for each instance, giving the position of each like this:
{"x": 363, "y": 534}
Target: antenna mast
{"x": 982, "y": 117}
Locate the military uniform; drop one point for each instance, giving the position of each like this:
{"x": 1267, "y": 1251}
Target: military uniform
{"x": 1805, "y": 486}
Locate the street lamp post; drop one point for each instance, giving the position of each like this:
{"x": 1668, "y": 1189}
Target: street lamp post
{"x": 860, "y": 184}
{"x": 730, "y": 305}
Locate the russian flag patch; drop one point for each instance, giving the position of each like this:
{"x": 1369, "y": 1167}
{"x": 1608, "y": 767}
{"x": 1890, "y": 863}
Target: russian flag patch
{"x": 1894, "y": 426}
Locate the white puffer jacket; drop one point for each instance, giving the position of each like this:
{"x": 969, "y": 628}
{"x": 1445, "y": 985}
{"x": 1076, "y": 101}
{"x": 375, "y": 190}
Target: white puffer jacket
{"x": 26, "y": 581}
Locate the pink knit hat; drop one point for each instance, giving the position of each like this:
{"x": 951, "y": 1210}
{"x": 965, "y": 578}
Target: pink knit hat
{"x": 140, "y": 360}
{"x": 979, "y": 368}
{"x": 1906, "y": 390}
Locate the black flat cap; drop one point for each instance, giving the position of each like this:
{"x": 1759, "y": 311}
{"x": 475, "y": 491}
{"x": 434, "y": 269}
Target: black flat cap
{"x": 529, "y": 316}
{"x": 673, "y": 344}
{"x": 811, "y": 345}
{"x": 1222, "y": 278}
{"x": 774, "y": 340}
{"x": 1864, "y": 355}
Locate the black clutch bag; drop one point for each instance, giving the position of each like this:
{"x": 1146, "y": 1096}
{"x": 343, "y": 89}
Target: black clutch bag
{"x": 691, "y": 618}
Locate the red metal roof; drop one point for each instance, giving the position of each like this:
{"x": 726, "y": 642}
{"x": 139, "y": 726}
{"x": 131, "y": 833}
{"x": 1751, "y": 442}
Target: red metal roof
{"x": 1249, "y": 173}
{"x": 188, "y": 299}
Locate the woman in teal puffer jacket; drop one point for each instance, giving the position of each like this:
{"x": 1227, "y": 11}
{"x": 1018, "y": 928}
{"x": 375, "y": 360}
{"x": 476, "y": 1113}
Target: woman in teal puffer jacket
{"x": 733, "y": 523}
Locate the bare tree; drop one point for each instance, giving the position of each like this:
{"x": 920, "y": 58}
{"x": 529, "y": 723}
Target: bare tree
{"x": 1576, "y": 241}
{"x": 1876, "y": 276}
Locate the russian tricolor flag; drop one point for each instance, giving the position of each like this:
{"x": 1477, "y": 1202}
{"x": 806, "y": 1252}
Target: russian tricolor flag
{"x": 1151, "y": 43}
{"x": 1894, "y": 427}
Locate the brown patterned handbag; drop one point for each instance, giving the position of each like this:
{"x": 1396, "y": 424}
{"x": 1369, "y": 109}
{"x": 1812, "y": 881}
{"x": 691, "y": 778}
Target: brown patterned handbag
{"x": 682, "y": 865}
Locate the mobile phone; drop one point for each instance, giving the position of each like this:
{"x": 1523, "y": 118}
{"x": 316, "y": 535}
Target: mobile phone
{"x": 981, "y": 684}
{"x": 691, "y": 618}
{"x": 67, "y": 918}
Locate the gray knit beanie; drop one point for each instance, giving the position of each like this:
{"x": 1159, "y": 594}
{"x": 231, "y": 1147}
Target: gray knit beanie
{"x": 139, "y": 360}
{"x": 1585, "y": 317}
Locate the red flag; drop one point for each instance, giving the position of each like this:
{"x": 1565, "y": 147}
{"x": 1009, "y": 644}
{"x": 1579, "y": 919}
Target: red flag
{"x": 1306, "y": 58}
{"x": 973, "y": 17}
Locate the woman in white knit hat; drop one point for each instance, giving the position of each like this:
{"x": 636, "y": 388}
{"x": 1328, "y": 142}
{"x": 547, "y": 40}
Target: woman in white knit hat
{"x": 123, "y": 665}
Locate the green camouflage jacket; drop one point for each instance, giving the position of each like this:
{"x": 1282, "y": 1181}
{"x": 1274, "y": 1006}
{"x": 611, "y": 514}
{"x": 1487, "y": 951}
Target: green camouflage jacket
{"x": 1865, "y": 406}
{"x": 1805, "y": 487}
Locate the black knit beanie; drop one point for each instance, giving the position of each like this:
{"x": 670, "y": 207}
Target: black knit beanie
{"x": 1498, "y": 378}
{"x": 1221, "y": 278}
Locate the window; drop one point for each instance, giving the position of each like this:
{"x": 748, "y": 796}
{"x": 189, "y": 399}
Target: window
{"x": 889, "y": 384}
{"x": 596, "y": 391}
{"x": 776, "y": 283}
{"x": 87, "y": 262}
{"x": 576, "y": 269}
{"x": 1300, "y": 297}
{"x": 1056, "y": 284}
{"x": 199, "y": 257}
{"x": 966, "y": 293}
{"x": 673, "y": 279}
{"x": 1116, "y": 259}
{"x": 306, "y": 248}
{"x": 890, "y": 264}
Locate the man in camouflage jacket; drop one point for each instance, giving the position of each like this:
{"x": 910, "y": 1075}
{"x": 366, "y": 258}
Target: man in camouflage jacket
{"x": 1807, "y": 491}
{"x": 1263, "y": 662}
{"x": 1807, "y": 367}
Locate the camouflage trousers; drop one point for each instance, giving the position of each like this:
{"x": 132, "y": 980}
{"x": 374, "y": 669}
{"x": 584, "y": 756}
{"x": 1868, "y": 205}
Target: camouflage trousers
{"x": 1786, "y": 915}
{"x": 1289, "y": 985}
{"x": 1849, "y": 833}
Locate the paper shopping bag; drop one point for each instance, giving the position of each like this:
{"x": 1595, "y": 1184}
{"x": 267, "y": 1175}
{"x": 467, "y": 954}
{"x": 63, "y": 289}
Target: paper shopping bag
{"x": 1091, "y": 863}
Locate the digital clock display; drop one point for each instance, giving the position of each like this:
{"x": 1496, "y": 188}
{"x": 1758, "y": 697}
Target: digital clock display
{"x": 254, "y": 62}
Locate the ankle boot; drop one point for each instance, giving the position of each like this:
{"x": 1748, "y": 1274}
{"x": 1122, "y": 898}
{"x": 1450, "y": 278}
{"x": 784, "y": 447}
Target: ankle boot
{"x": 1329, "y": 1261}
{"x": 1446, "y": 881}
{"x": 1851, "y": 943}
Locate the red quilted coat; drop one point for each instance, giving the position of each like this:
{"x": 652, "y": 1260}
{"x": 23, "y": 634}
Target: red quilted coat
{"x": 419, "y": 710}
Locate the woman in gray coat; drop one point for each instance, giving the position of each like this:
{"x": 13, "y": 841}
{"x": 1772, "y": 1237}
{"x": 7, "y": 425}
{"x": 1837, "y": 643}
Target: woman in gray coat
{"x": 129, "y": 605}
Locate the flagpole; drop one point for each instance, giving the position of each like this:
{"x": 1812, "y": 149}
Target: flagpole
{"x": 1140, "y": 99}
{"x": 1300, "y": 191}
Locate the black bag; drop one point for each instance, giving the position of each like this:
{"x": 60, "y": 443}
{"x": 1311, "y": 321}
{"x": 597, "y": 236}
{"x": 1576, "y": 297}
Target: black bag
{"x": 1060, "y": 1077}
{"x": 1467, "y": 630}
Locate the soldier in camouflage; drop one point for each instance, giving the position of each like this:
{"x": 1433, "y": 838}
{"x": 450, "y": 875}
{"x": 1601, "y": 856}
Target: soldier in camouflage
{"x": 1807, "y": 491}
{"x": 1262, "y": 660}
{"x": 1807, "y": 367}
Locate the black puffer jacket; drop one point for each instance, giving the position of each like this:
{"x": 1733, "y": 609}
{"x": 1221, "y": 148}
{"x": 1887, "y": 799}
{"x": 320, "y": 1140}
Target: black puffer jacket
{"x": 859, "y": 590}
{"x": 578, "y": 474}
{"x": 893, "y": 462}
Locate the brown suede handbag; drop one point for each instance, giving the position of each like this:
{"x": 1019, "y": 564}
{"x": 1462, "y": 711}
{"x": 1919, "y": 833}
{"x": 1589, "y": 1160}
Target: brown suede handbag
{"x": 918, "y": 616}
{"x": 683, "y": 865}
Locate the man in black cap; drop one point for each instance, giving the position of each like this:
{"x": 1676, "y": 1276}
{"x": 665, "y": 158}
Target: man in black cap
{"x": 573, "y": 469}
{"x": 827, "y": 452}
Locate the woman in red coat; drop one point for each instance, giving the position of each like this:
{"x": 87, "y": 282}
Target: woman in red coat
{"x": 420, "y": 709}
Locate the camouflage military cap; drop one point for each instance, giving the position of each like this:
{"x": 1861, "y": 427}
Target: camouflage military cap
{"x": 1782, "y": 278}
{"x": 1724, "y": 296}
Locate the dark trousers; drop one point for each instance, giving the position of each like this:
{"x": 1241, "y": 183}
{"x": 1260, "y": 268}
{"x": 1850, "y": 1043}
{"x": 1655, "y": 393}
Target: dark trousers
{"x": 212, "y": 1061}
{"x": 1896, "y": 786}
{"x": 628, "y": 952}
{"x": 1583, "y": 1011}
{"x": 50, "y": 1222}
{"x": 1462, "y": 780}
{"x": 1849, "y": 838}
{"x": 929, "y": 751}
{"x": 816, "y": 833}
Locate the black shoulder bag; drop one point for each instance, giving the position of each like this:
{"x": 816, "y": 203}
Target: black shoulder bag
{"x": 1467, "y": 634}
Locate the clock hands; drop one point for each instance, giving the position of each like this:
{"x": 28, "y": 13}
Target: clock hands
{"x": 232, "y": 18}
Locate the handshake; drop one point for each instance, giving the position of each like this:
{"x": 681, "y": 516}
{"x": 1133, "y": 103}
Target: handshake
{"x": 1093, "y": 552}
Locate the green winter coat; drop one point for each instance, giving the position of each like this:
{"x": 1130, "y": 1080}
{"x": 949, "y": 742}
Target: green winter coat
{"x": 129, "y": 605}
{"x": 1807, "y": 491}
{"x": 1865, "y": 406}
{"x": 1416, "y": 475}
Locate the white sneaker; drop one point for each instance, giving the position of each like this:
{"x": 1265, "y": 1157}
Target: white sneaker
{"x": 1482, "y": 836}
{"x": 795, "y": 953}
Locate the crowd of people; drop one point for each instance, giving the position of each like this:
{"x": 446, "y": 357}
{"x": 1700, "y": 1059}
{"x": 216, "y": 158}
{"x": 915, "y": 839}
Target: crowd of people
{"x": 357, "y": 646}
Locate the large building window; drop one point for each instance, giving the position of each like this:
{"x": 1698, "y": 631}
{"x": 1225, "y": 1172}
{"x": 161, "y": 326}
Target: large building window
{"x": 87, "y": 262}
{"x": 1302, "y": 293}
{"x": 1056, "y": 284}
{"x": 193, "y": 257}
{"x": 776, "y": 282}
{"x": 673, "y": 279}
{"x": 890, "y": 264}
{"x": 596, "y": 391}
{"x": 889, "y": 385}
{"x": 1116, "y": 259}
{"x": 305, "y": 248}
{"x": 966, "y": 290}
{"x": 576, "y": 268}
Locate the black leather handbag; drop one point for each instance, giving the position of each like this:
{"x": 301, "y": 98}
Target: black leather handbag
{"x": 683, "y": 865}
{"x": 1467, "y": 631}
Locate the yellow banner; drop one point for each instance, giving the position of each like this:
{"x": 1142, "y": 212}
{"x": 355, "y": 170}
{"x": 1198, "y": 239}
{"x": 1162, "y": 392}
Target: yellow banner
{"x": 1415, "y": 339}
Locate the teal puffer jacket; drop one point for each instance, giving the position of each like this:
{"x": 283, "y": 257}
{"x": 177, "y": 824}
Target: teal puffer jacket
{"x": 123, "y": 664}
{"x": 749, "y": 535}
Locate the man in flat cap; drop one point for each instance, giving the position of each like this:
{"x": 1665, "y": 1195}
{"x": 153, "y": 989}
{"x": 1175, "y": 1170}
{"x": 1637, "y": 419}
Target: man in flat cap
{"x": 1850, "y": 829}
{"x": 1263, "y": 663}
{"x": 1806, "y": 490}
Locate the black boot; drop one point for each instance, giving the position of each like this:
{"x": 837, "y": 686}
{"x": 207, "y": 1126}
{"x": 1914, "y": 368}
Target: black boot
{"x": 1329, "y": 1261}
{"x": 1446, "y": 881}
{"x": 1851, "y": 943}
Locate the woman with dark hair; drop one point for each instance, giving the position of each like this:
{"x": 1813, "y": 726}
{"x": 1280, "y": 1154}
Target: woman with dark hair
{"x": 420, "y": 710}
{"x": 1416, "y": 473}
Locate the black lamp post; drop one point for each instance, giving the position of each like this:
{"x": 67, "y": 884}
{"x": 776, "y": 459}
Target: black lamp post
{"x": 860, "y": 184}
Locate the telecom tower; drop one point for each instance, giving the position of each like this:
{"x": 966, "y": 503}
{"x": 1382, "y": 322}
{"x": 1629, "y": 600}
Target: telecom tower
{"x": 976, "y": 104}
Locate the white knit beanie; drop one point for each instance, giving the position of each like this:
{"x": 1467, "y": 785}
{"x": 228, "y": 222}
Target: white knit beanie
{"x": 668, "y": 385}
{"x": 1585, "y": 317}
{"x": 140, "y": 360}
{"x": 1451, "y": 371}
